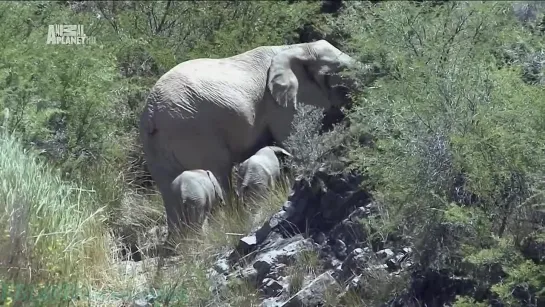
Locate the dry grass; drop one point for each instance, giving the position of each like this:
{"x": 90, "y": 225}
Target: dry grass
{"x": 183, "y": 277}
{"x": 241, "y": 293}
{"x": 54, "y": 232}
{"x": 58, "y": 233}
{"x": 307, "y": 264}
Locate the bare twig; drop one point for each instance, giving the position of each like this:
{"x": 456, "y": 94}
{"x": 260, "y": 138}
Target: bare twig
{"x": 162, "y": 23}
{"x": 234, "y": 234}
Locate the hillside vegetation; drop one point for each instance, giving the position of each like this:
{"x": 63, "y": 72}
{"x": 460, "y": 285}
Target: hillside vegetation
{"x": 449, "y": 131}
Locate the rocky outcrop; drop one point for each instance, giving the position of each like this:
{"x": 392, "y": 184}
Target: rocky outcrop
{"x": 322, "y": 216}
{"x": 321, "y": 249}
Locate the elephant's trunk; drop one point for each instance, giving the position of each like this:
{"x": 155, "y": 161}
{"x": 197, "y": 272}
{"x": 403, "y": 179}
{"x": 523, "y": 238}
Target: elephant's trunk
{"x": 347, "y": 62}
{"x": 356, "y": 72}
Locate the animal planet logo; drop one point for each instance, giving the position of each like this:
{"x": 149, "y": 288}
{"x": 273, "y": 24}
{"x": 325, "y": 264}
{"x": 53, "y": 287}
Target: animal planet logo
{"x": 68, "y": 35}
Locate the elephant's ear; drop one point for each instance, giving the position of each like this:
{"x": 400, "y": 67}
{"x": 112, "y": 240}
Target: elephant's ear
{"x": 282, "y": 82}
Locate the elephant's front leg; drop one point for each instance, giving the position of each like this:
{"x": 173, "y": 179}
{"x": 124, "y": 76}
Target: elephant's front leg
{"x": 280, "y": 124}
{"x": 173, "y": 208}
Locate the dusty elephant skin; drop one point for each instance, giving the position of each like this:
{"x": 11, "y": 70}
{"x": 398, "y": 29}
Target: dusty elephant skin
{"x": 258, "y": 174}
{"x": 196, "y": 192}
{"x": 212, "y": 113}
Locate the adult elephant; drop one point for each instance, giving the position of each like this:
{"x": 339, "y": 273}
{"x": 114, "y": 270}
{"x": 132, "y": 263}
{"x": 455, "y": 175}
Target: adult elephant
{"x": 213, "y": 113}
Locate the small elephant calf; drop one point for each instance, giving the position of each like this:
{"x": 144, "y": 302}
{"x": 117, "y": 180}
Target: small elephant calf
{"x": 197, "y": 191}
{"x": 258, "y": 174}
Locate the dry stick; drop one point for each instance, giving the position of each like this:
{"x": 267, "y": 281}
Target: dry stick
{"x": 234, "y": 234}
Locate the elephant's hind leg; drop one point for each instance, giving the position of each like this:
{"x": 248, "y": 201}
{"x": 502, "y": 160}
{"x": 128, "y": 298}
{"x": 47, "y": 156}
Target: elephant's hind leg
{"x": 171, "y": 201}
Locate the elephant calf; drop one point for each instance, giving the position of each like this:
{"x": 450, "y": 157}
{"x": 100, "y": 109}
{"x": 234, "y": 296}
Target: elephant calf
{"x": 196, "y": 192}
{"x": 258, "y": 173}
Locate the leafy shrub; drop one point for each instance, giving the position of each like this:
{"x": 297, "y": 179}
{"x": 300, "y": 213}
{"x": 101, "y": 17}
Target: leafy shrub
{"x": 63, "y": 100}
{"x": 458, "y": 151}
{"x": 310, "y": 148}
{"x": 79, "y": 105}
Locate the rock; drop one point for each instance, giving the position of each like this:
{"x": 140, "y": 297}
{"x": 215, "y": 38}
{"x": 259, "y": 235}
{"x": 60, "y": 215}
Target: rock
{"x": 245, "y": 246}
{"x": 277, "y": 271}
{"x": 221, "y": 266}
{"x": 144, "y": 302}
{"x": 322, "y": 213}
{"x": 250, "y": 275}
{"x": 355, "y": 284}
{"x": 248, "y": 243}
{"x": 354, "y": 264}
{"x": 392, "y": 264}
{"x": 359, "y": 213}
{"x": 271, "y": 287}
{"x": 141, "y": 303}
{"x": 313, "y": 293}
{"x": 372, "y": 207}
{"x": 262, "y": 233}
{"x": 338, "y": 272}
{"x": 377, "y": 267}
{"x": 263, "y": 266}
{"x": 407, "y": 264}
{"x": 279, "y": 252}
{"x": 385, "y": 254}
{"x": 340, "y": 185}
{"x": 400, "y": 257}
{"x": 340, "y": 249}
{"x": 289, "y": 208}
{"x": 270, "y": 302}
{"x": 218, "y": 282}
{"x": 326, "y": 199}
{"x": 319, "y": 238}
{"x": 350, "y": 232}
{"x": 327, "y": 204}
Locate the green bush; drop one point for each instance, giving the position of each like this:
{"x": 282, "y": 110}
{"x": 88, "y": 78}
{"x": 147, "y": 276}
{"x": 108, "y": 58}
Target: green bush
{"x": 62, "y": 98}
{"x": 311, "y": 149}
{"x": 79, "y": 106}
{"x": 458, "y": 134}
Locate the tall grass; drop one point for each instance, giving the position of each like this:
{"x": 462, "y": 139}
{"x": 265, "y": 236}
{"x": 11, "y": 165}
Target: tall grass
{"x": 53, "y": 230}
{"x": 195, "y": 255}
{"x": 58, "y": 233}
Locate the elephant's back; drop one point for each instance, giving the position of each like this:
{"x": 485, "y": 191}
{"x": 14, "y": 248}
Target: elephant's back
{"x": 203, "y": 110}
{"x": 210, "y": 88}
{"x": 211, "y": 97}
{"x": 260, "y": 164}
{"x": 193, "y": 185}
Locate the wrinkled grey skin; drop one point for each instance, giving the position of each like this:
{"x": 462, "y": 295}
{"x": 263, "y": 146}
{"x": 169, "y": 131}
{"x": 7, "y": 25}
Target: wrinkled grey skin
{"x": 258, "y": 174}
{"x": 197, "y": 191}
{"x": 213, "y": 113}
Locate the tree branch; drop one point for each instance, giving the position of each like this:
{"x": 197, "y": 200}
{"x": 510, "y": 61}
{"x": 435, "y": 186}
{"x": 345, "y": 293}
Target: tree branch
{"x": 162, "y": 23}
{"x": 110, "y": 20}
